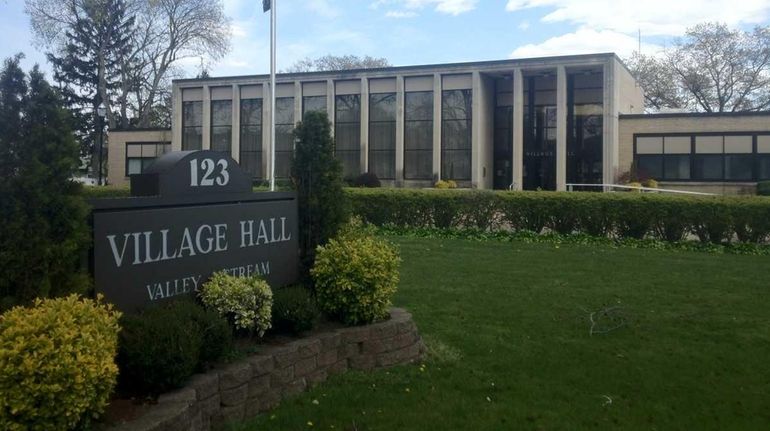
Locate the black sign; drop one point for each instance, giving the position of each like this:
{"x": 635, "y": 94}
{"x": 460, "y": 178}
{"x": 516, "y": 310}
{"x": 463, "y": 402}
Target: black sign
{"x": 152, "y": 249}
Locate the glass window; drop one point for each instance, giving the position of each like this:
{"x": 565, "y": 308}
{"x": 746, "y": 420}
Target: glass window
{"x": 313, "y": 103}
{"x": 284, "y": 136}
{"x": 221, "y": 125}
{"x": 456, "y": 134}
{"x": 251, "y": 137}
{"x": 764, "y": 167}
{"x": 192, "y": 125}
{"x": 382, "y": 135}
{"x": 418, "y": 135}
{"x": 649, "y": 166}
{"x": 708, "y": 167}
{"x": 739, "y": 167}
{"x": 347, "y": 133}
{"x": 676, "y": 166}
{"x": 140, "y": 155}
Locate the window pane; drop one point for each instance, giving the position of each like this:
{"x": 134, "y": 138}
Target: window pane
{"x": 251, "y": 150}
{"x": 313, "y": 103}
{"x": 347, "y": 133}
{"x": 418, "y": 106}
{"x": 650, "y": 166}
{"x": 192, "y": 114}
{"x": 418, "y": 135}
{"x": 347, "y": 108}
{"x": 456, "y": 105}
{"x": 708, "y": 167}
{"x": 418, "y": 164}
{"x": 284, "y": 148}
{"x": 192, "y": 138}
{"x": 134, "y": 166}
{"x": 251, "y": 112}
{"x": 347, "y": 136}
{"x": 676, "y": 167}
{"x": 382, "y": 135}
{"x": 221, "y": 113}
{"x": 764, "y": 168}
{"x": 382, "y": 107}
{"x": 456, "y": 135}
{"x": 739, "y": 167}
{"x": 383, "y": 164}
{"x": 284, "y": 110}
{"x": 221, "y": 138}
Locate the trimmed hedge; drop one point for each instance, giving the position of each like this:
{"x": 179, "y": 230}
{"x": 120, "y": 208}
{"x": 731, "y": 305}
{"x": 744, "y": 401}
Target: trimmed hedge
{"x": 617, "y": 215}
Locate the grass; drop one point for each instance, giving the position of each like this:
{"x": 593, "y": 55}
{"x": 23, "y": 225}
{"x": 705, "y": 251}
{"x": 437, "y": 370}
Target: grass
{"x": 507, "y": 325}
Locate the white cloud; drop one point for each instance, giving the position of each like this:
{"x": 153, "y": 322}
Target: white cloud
{"x": 523, "y": 26}
{"x": 322, "y": 8}
{"x": 400, "y": 14}
{"x": 653, "y": 17}
{"x": 584, "y": 41}
{"x": 450, "y": 7}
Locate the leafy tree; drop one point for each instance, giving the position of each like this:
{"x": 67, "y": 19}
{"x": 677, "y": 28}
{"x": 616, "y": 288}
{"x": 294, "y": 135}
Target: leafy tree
{"x": 317, "y": 178}
{"x": 41, "y": 210}
{"x": 712, "y": 69}
{"x": 335, "y": 62}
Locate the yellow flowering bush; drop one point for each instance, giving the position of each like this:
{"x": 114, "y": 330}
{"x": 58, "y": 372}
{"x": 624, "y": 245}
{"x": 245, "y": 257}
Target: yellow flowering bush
{"x": 445, "y": 184}
{"x": 245, "y": 301}
{"x": 356, "y": 275}
{"x": 57, "y": 366}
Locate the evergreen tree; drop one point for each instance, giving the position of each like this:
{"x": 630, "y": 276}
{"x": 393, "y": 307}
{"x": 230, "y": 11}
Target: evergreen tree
{"x": 91, "y": 66}
{"x": 41, "y": 210}
{"x": 317, "y": 178}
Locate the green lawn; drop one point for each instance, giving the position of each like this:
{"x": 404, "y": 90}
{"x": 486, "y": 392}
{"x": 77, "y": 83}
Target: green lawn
{"x": 509, "y": 323}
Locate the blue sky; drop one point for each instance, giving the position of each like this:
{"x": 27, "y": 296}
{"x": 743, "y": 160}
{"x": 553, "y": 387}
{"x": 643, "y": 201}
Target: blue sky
{"x": 436, "y": 31}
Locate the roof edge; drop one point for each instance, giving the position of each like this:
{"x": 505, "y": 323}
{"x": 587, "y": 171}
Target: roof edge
{"x": 695, "y": 115}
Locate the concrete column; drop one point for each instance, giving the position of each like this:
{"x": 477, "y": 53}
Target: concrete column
{"x": 235, "y": 137}
{"x": 298, "y": 103}
{"x": 364, "y": 125}
{"x": 176, "y": 119}
{"x": 399, "y": 130}
{"x": 437, "y": 126}
{"x": 518, "y": 130}
{"x": 206, "y": 145}
{"x": 330, "y": 101}
{"x": 610, "y": 125}
{"x": 476, "y": 166}
{"x": 561, "y": 128}
{"x": 266, "y": 115}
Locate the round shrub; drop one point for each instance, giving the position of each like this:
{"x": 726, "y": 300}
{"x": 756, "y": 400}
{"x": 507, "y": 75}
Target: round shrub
{"x": 355, "y": 275}
{"x": 445, "y": 184}
{"x": 763, "y": 188}
{"x": 159, "y": 348}
{"x": 246, "y": 302}
{"x": 216, "y": 333}
{"x": 294, "y": 310}
{"x": 57, "y": 366}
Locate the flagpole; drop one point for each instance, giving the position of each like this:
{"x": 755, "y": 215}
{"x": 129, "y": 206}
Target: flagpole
{"x": 272, "y": 95}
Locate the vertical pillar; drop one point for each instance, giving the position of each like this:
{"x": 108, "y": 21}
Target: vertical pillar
{"x": 561, "y": 128}
{"x": 176, "y": 119}
{"x": 364, "y": 125}
{"x": 206, "y": 124}
{"x": 266, "y": 115}
{"x": 330, "y": 101}
{"x": 610, "y": 124}
{"x": 476, "y": 160}
{"x": 399, "y": 130}
{"x": 298, "y": 103}
{"x": 437, "y": 126}
{"x": 518, "y": 130}
{"x": 235, "y": 135}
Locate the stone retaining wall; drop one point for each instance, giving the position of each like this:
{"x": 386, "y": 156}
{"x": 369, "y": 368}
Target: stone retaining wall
{"x": 258, "y": 383}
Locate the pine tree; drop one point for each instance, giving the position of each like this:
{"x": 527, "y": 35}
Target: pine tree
{"x": 41, "y": 210}
{"x": 317, "y": 178}
{"x": 89, "y": 68}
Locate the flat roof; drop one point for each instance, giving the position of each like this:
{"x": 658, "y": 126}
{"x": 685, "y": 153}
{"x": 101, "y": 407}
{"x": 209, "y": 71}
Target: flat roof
{"x": 512, "y": 62}
{"x": 695, "y": 115}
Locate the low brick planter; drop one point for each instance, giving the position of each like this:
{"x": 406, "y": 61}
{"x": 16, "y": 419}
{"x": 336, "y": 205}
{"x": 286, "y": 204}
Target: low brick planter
{"x": 258, "y": 383}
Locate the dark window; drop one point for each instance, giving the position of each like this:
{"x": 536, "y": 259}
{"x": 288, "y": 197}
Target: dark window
{"x": 313, "y": 103}
{"x": 382, "y": 135}
{"x": 284, "y": 138}
{"x": 676, "y": 166}
{"x": 503, "y": 147}
{"x": 738, "y": 167}
{"x": 764, "y": 167}
{"x": 650, "y": 165}
{"x": 140, "y": 155}
{"x": 251, "y": 137}
{"x": 708, "y": 167}
{"x": 192, "y": 125}
{"x": 418, "y": 135}
{"x": 347, "y": 133}
{"x": 221, "y": 125}
{"x": 456, "y": 134}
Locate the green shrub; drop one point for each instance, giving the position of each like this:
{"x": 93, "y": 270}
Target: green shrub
{"x": 246, "y": 302}
{"x": 763, "y": 188}
{"x": 712, "y": 219}
{"x": 355, "y": 275}
{"x": 217, "y": 335}
{"x": 367, "y": 179}
{"x": 57, "y": 363}
{"x": 294, "y": 309}
{"x": 160, "y": 348}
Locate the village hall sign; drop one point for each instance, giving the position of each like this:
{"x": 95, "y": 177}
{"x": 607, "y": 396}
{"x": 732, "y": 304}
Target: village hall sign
{"x": 192, "y": 213}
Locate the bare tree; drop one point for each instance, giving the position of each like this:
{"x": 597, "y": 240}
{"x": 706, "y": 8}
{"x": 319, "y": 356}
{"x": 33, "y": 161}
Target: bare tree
{"x": 165, "y": 32}
{"x": 335, "y": 62}
{"x": 712, "y": 69}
